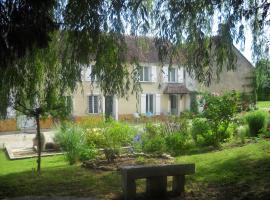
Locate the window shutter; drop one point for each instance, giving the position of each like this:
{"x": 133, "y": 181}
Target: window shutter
{"x": 88, "y": 72}
{"x": 165, "y": 74}
{"x": 154, "y": 74}
{"x": 83, "y": 74}
{"x": 143, "y": 103}
{"x": 90, "y": 104}
{"x": 180, "y": 75}
{"x": 157, "y": 104}
{"x": 95, "y": 104}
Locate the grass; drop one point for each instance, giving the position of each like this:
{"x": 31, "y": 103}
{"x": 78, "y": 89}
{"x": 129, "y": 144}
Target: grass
{"x": 239, "y": 172}
{"x": 17, "y": 178}
{"x": 263, "y": 104}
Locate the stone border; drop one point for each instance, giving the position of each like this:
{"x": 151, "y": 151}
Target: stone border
{"x": 13, "y": 157}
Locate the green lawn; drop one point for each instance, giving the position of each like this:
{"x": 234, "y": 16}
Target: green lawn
{"x": 263, "y": 104}
{"x": 240, "y": 172}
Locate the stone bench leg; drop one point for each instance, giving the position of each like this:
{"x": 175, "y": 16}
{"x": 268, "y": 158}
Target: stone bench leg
{"x": 156, "y": 186}
{"x": 129, "y": 188}
{"x": 178, "y": 186}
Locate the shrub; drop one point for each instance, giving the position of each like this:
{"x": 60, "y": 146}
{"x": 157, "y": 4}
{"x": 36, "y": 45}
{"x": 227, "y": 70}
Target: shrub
{"x": 256, "y": 121}
{"x": 201, "y": 131}
{"x": 154, "y": 144}
{"x": 176, "y": 143}
{"x": 160, "y": 138}
{"x": 266, "y": 132}
{"x": 153, "y": 139}
{"x": 69, "y": 137}
{"x": 193, "y": 103}
{"x": 242, "y": 132}
{"x": 119, "y": 134}
{"x": 111, "y": 137}
{"x": 219, "y": 112}
{"x": 226, "y": 131}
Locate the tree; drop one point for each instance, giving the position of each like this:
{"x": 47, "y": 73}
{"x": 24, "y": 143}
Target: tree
{"x": 41, "y": 91}
{"x": 263, "y": 79}
{"x": 95, "y": 31}
{"x": 180, "y": 27}
{"x": 183, "y": 31}
{"x": 24, "y": 24}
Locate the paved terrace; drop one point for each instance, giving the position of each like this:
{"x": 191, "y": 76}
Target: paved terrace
{"x": 22, "y": 139}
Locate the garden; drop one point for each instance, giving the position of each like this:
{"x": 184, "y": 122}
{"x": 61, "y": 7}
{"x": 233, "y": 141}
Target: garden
{"x": 229, "y": 146}
{"x": 222, "y": 122}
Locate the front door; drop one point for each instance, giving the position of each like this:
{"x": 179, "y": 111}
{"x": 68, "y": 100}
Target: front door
{"x": 108, "y": 106}
{"x": 173, "y": 100}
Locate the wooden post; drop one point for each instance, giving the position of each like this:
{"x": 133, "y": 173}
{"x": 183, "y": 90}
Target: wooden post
{"x": 178, "y": 186}
{"x": 156, "y": 186}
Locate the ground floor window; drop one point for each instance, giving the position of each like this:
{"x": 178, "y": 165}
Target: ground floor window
{"x": 93, "y": 104}
{"x": 174, "y": 104}
{"x": 149, "y": 103}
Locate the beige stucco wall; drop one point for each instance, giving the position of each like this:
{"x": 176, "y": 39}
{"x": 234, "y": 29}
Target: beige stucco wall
{"x": 129, "y": 104}
{"x": 80, "y": 98}
{"x": 238, "y": 80}
{"x": 229, "y": 80}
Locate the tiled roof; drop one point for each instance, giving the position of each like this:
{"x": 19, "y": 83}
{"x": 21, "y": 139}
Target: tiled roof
{"x": 141, "y": 48}
{"x": 176, "y": 88}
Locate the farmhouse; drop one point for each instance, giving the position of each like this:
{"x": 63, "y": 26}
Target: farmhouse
{"x": 165, "y": 90}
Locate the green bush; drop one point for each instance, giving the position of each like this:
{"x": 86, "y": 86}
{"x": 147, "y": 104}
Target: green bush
{"x": 153, "y": 139}
{"x": 156, "y": 144}
{"x": 119, "y": 134}
{"x": 242, "y": 133}
{"x": 201, "y": 132}
{"x": 219, "y": 112}
{"x": 176, "y": 143}
{"x": 257, "y": 122}
{"x": 160, "y": 138}
{"x": 71, "y": 139}
{"x": 226, "y": 131}
{"x": 111, "y": 136}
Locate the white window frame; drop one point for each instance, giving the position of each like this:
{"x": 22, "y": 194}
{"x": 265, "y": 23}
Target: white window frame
{"x": 93, "y": 104}
{"x": 148, "y": 103}
{"x": 88, "y": 74}
{"x": 149, "y": 68}
{"x": 170, "y": 75}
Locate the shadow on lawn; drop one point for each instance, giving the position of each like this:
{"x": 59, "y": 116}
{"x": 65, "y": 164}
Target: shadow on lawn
{"x": 236, "y": 178}
{"x": 240, "y": 177}
{"x": 60, "y": 181}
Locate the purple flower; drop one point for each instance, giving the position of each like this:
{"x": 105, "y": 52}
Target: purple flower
{"x": 137, "y": 138}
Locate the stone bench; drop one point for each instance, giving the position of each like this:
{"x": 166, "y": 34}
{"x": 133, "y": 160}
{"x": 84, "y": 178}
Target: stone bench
{"x": 156, "y": 179}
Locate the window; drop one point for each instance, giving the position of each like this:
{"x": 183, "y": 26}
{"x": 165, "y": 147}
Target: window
{"x": 145, "y": 73}
{"x": 88, "y": 73}
{"x": 93, "y": 104}
{"x": 172, "y": 75}
{"x": 149, "y": 103}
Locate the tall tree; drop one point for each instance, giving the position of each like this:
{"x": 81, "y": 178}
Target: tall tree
{"x": 179, "y": 26}
{"x": 183, "y": 30}
{"x": 96, "y": 29}
{"x": 189, "y": 25}
{"x": 24, "y": 24}
{"x": 263, "y": 79}
{"x": 38, "y": 86}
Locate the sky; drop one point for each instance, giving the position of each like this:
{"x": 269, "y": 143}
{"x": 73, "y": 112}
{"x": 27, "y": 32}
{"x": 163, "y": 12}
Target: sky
{"x": 247, "y": 52}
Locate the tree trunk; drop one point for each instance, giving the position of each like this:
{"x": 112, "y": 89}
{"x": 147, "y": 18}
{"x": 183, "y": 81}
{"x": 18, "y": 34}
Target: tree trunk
{"x": 39, "y": 143}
